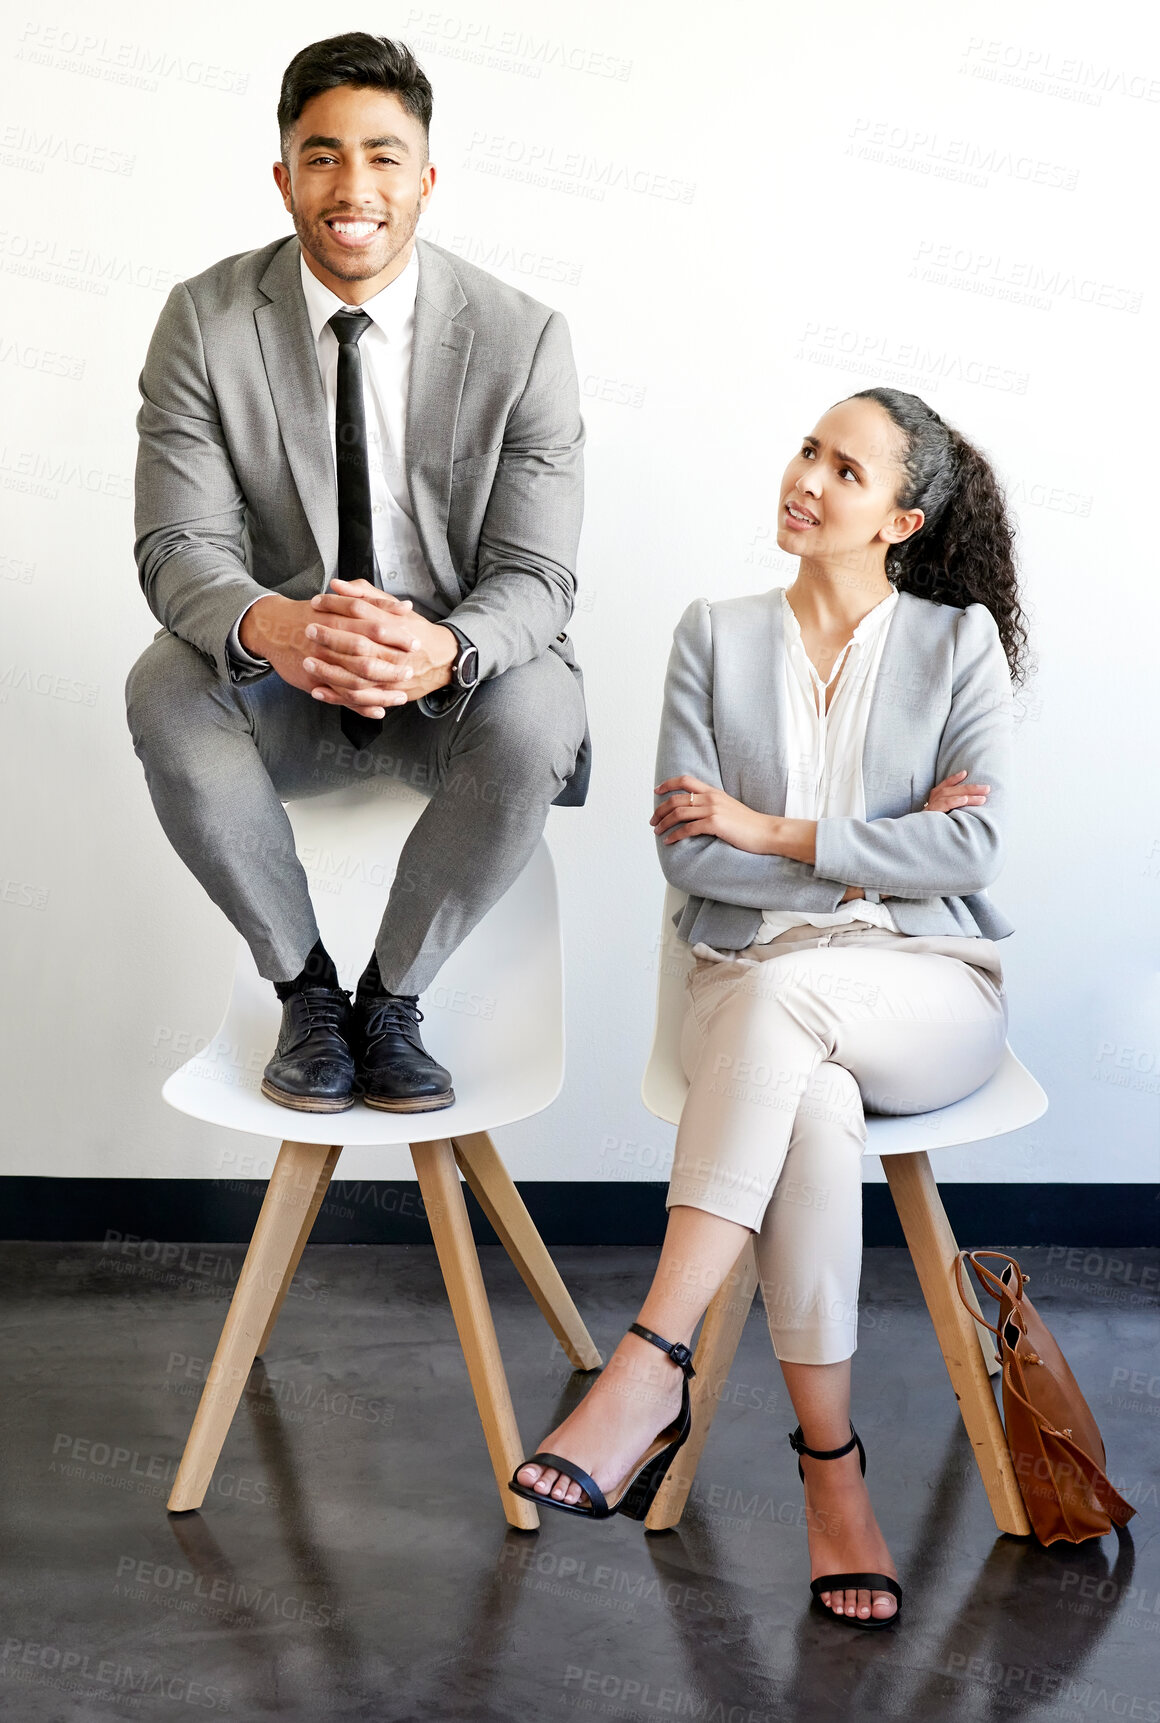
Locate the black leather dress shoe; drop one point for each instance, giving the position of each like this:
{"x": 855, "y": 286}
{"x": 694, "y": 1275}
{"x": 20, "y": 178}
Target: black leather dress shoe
{"x": 313, "y": 1068}
{"x": 395, "y": 1073}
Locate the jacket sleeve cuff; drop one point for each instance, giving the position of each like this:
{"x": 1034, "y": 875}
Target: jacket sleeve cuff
{"x": 488, "y": 636}
{"x": 831, "y": 860}
{"x": 243, "y": 666}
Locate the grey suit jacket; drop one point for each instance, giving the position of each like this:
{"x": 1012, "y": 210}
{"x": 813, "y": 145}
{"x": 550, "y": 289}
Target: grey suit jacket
{"x": 942, "y": 702}
{"x": 236, "y": 492}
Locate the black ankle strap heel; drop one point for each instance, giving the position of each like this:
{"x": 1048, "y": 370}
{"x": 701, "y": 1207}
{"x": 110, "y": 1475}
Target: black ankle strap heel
{"x": 847, "y": 1581}
{"x": 638, "y": 1491}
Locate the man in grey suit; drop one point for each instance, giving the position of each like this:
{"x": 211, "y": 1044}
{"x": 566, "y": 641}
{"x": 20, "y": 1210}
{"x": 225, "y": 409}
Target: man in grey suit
{"x": 359, "y": 495}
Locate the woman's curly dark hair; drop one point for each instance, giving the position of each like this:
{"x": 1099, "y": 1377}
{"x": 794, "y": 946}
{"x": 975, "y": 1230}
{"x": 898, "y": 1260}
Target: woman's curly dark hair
{"x": 963, "y": 552}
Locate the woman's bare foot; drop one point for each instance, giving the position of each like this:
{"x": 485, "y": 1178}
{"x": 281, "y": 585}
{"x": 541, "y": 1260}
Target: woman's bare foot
{"x": 636, "y": 1395}
{"x": 845, "y": 1537}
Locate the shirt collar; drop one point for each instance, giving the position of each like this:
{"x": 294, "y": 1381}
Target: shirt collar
{"x": 869, "y": 624}
{"x": 391, "y": 308}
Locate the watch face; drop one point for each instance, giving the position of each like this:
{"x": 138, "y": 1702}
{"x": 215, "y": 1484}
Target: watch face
{"x": 467, "y": 667}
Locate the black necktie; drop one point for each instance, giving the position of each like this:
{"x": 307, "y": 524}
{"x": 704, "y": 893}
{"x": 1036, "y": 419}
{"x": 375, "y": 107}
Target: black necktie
{"x": 356, "y": 547}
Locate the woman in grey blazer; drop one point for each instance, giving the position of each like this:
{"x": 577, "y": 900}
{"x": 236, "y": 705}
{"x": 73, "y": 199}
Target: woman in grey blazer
{"x": 832, "y": 769}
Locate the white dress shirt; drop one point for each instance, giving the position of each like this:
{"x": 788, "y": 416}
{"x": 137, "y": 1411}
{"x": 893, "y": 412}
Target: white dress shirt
{"x": 824, "y": 748}
{"x": 385, "y": 351}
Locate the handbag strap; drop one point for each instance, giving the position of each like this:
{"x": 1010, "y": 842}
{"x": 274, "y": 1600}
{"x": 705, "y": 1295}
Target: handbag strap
{"x": 989, "y": 1281}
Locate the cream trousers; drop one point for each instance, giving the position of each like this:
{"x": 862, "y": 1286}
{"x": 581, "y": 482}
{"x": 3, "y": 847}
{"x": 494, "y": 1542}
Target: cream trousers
{"x": 784, "y": 1046}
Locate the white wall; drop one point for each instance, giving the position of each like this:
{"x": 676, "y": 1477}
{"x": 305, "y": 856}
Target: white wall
{"x": 745, "y": 211}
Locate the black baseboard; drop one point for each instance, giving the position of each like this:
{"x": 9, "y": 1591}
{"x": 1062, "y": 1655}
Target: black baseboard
{"x": 223, "y": 1211}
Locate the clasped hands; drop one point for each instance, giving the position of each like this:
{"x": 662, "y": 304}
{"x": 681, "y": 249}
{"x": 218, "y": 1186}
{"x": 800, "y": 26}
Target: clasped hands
{"x": 352, "y": 645}
{"x": 695, "y": 809}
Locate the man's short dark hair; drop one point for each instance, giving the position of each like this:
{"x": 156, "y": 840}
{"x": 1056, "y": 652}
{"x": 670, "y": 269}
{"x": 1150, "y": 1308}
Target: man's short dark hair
{"x": 366, "y": 62}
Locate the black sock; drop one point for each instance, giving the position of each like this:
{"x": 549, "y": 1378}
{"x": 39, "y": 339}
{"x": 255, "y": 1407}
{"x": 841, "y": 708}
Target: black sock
{"x": 317, "y": 971}
{"x": 371, "y": 980}
{"x": 370, "y": 983}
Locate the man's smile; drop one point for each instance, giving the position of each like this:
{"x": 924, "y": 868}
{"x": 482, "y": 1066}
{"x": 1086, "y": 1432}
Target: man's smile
{"x": 353, "y": 231}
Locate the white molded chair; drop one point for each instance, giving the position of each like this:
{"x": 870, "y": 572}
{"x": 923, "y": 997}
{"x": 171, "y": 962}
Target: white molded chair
{"x": 1010, "y": 1099}
{"x": 495, "y": 1018}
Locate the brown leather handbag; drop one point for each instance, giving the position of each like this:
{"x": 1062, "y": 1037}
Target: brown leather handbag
{"x": 1055, "y": 1442}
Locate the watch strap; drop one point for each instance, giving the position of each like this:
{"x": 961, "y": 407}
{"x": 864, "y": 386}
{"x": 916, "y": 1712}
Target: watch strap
{"x": 465, "y": 645}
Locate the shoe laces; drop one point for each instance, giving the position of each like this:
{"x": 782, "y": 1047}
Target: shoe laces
{"x": 323, "y": 1007}
{"x": 398, "y": 1012}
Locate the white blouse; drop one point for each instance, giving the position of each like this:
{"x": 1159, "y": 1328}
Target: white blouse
{"x": 824, "y": 749}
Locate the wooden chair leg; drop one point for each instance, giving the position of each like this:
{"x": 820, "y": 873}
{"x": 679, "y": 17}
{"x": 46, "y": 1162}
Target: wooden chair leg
{"x": 491, "y": 1185}
{"x": 712, "y": 1361}
{"x": 451, "y": 1229}
{"x": 293, "y": 1189}
{"x": 308, "y": 1221}
{"x": 933, "y": 1251}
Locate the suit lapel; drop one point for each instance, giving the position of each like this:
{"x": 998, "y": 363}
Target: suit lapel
{"x": 774, "y": 690}
{"x": 440, "y": 350}
{"x": 750, "y": 684}
{"x": 291, "y": 363}
{"x": 885, "y": 756}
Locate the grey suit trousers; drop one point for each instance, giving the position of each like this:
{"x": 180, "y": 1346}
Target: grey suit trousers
{"x": 220, "y": 758}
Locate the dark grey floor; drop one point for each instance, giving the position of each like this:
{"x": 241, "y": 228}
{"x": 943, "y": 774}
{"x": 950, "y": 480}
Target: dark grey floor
{"x": 352, "y": 1560}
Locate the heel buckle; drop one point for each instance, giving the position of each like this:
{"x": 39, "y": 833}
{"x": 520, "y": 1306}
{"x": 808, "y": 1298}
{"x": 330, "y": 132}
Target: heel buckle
{"x": 681, "y": 1355}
